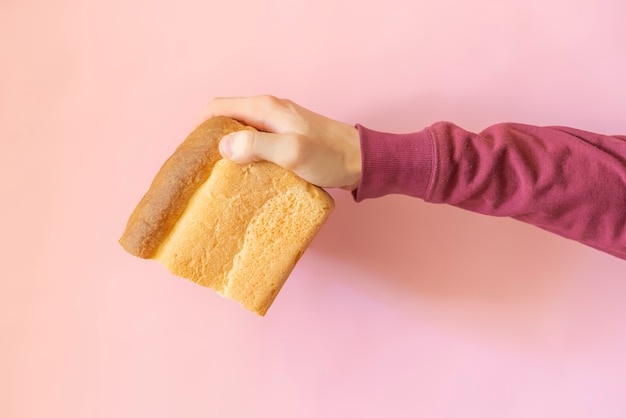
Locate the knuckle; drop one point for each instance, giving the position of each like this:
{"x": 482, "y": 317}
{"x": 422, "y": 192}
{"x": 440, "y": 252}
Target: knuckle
{"x": 249, "y": 142}
{"x": 243, "y": 145}
{"x": 271, "y": 101}
{"x": 293, "y": 152}
{"x": 289, "y": 104}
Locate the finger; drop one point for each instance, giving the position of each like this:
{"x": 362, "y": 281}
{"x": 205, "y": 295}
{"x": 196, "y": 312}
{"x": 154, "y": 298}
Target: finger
{"x": 253, "y": 111}
{"x": 247, "y": 146}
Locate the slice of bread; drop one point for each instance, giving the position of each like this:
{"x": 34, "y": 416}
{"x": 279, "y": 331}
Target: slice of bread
{"x": 238, "y": 229}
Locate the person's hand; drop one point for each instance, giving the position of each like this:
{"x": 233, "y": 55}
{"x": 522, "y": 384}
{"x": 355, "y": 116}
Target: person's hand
{"x": 322, "y": 151}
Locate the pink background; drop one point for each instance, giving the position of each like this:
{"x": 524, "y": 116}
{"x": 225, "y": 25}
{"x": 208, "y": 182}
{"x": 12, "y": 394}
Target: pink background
{"x": 399, "y": 309}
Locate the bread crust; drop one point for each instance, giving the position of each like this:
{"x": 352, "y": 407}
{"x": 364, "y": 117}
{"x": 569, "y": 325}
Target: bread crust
{"x": 189, "y": 166}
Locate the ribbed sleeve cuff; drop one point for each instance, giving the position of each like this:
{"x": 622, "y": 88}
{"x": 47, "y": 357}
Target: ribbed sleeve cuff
{"x": 395, "y": 163}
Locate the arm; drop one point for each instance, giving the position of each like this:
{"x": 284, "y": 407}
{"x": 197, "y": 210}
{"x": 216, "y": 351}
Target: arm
{"x": 567, "y": 181}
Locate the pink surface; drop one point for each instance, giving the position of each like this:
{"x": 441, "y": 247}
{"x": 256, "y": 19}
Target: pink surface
{"x": 398, "y": 309}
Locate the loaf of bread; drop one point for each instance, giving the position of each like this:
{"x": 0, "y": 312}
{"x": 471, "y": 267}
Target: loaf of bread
{"x": 238, "y": 229}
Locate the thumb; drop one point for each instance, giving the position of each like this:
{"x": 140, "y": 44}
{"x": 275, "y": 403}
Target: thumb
{"x": 247, "y": 146}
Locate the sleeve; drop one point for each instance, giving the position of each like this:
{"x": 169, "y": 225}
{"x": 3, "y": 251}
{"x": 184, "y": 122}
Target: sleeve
{"x": 566, "y": 181}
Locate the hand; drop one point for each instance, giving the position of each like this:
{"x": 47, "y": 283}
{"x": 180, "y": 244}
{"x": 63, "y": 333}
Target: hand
{"x": 322, "y": 151}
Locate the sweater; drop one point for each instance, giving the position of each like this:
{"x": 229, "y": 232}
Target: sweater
{"x": 563, "y": 180}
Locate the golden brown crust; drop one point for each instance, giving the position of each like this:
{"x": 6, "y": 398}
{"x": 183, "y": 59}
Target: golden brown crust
{"x": 173, "y": 186}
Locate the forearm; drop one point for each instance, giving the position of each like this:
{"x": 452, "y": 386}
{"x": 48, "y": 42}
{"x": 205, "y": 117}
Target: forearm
{"x": 569, "y": 182}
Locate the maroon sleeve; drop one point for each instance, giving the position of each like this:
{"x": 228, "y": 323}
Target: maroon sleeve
{"x": 567, "y": 181}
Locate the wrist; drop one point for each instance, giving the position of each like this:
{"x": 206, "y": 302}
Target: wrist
{"x": 353, "y": 161}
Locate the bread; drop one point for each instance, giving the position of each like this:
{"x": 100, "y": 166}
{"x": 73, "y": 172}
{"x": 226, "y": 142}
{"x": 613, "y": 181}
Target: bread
{"x": 238, "y": 229}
